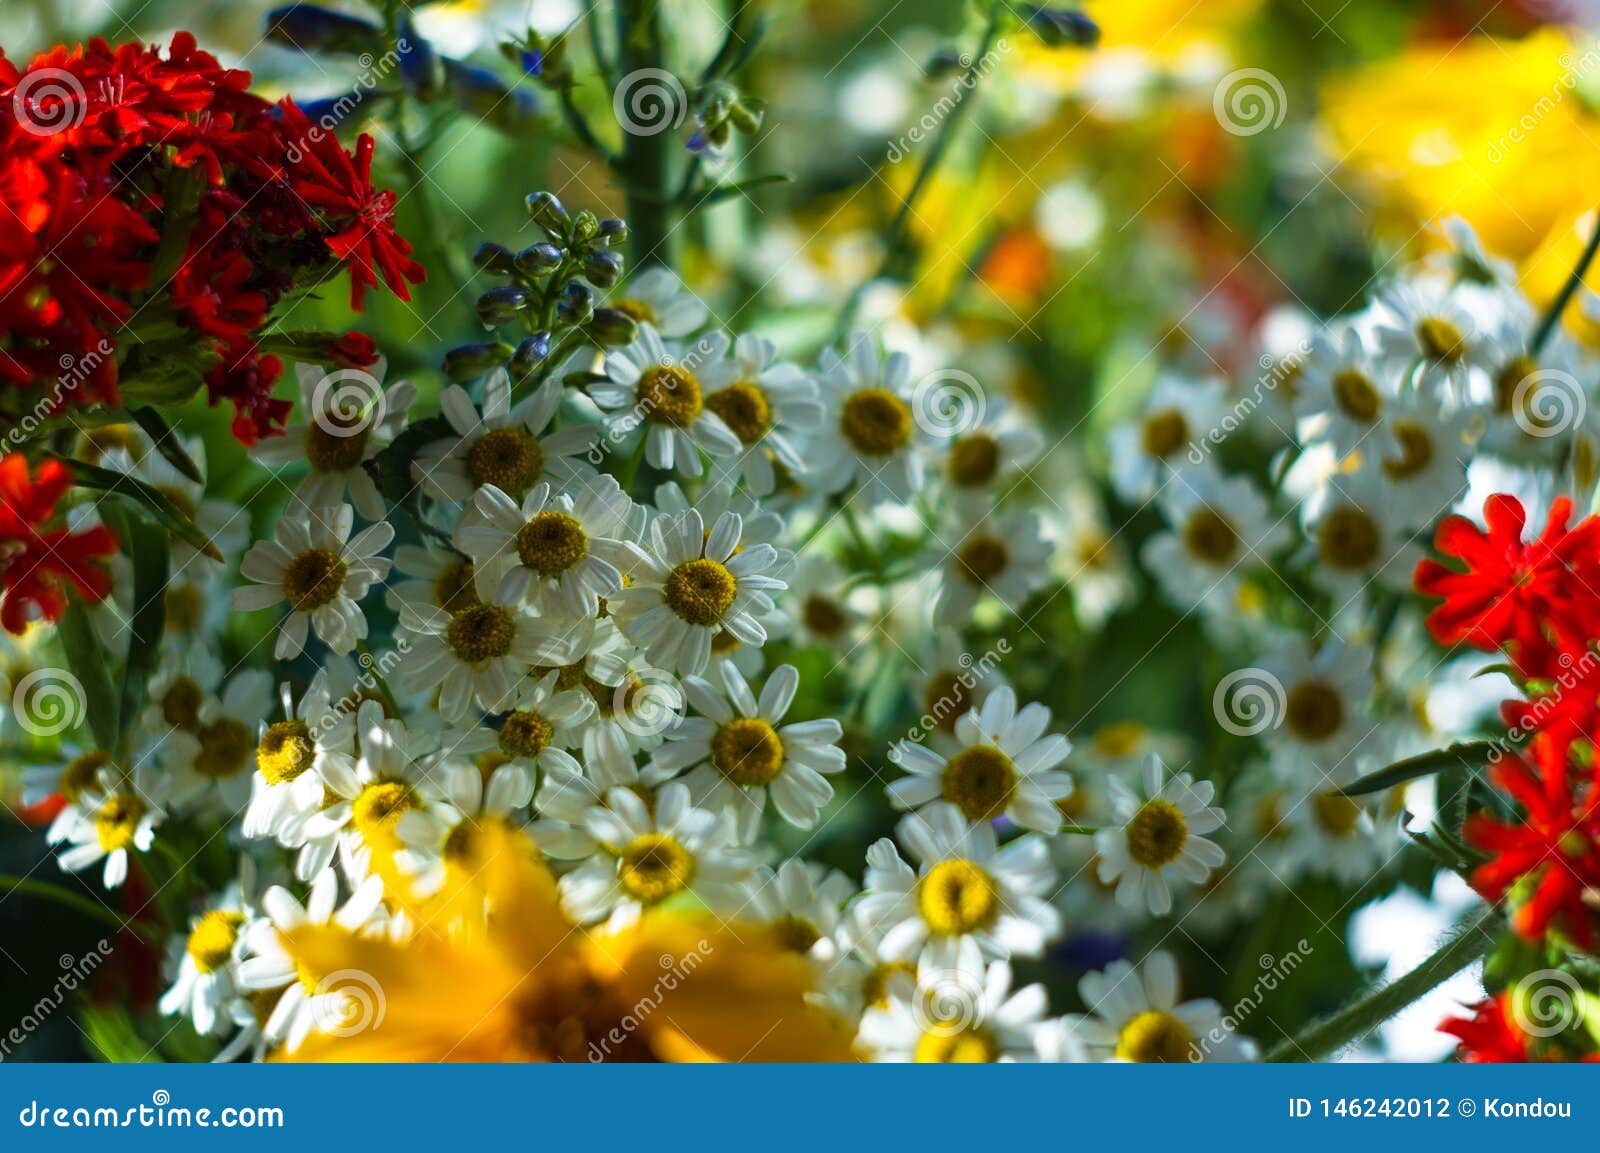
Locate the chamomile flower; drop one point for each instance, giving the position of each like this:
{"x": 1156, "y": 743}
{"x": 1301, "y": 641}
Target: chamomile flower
{"x": 558, "y": 551}
{"x": 268, "y": 967}
{"x": 214, "y": 760}
{"x": 655, "y": 296}
{"x": 545, "y": 721}
{"x": 657, "y": 386}
{"x": 474, "y": 657}
{"x": 948, "y": 681}
{"x": 79, "y": 779}
{"x": 1220, "y": 529}
{"x": 766, "y": 403}
{"x": 1429, "y": 337}
{"x": 1422, "y": 455}
{"x": 1323, "y": 717}
{"x": 1347, "y": 838}
{"x": 979, "y": 463}
{"x": 692, "y": 584}
{"x": 1004, "y": 556}
{"x": 347, "y": 416}
{"x": 511, "y": 448}
{"x": 649, "y": 856}
{"x": 1005, "y": 766}
{"x": 800, "y": 903}
{"x": 437, "y": 837}
{"x": 1092, "y": 562}
{"x": 737, "y": 750}
{"x": 820, "y": 605}
{"x": 869, "y": 436}
{"x": 1344, "y": 390}
{"x": 1356, "y": 538}
{"x": 956, "y": 1018}
{"x": 1135, "y": 1015}
{"x": 1177, "y": 415}
{"x": 322, "y": 571}
{"x": 184, "y": 680}
{"x": 288, "y": 785}
{"x": 1159, "y": 834}
{"x": 967, "y": 900}
{"x": 206, "y": 961}
{"x": 116, "y": 822}
{"x": 437, "y": 579}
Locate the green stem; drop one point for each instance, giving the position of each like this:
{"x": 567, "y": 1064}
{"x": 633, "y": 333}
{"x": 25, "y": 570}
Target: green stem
{"x": 1552, "y": 316}
{"x": 646, "y": 156}
{"x": 371, "y": 665}
{"x": 74, "y": 901}
{"x": 1355, "y": 1021}
{"x": 894, "y": 237}
{"x": 1459, "y": 755}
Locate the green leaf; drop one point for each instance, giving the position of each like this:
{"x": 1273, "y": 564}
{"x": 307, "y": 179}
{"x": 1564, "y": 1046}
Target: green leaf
{"x": 111, "y": 1035}
{"x": 147, "y": 544}
{"x": 160, "y": 505}
{"x": 167, "y": 443}
{"x": 1465, "y": 754}
{"x": 717, "y": 193}
{"x": 87, "y": 659}
{"x": 394, "y": 463}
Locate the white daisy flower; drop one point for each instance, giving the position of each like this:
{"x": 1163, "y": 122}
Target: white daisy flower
{"x": 1343, "y": 391}
{"x": 80, "y": 781}
{"x": 322, "y": 572}
{"x": 1429, "y": 337}
{"x": 347, "y": 416}
{"x": 1422, "y": 455}
{"x": 1531, "y": 401}
{"x": 948, "y": 681}
{"x": 820, "y": 605}
{"x": 302, "y": 1005}
{"x": 1159, "y": 833}
{"x": 545, "y": 721}
{"x": 439, "y": 836}
{"x": 185, "y": 680}
{"x": 1349, "y": 839}
{"x": 1324, "y": 718}
{"x": 214, "y": 761}
{"x": 507, "y": 447}
{"x": 288, "y": 785}
{"x": 1355, "y": 537}
{"x": 967, "y": 900}
{"x": 1092, "y": 562}
{"x": 1004, "y": 555}
{"x": 114, "y": 823}
{"x": 646, "y": 857}
{"x": 558, "y": 551}
{"x": 1005, "y": 766}
{"x": 870, "y": 436}
{"x": 1134, "y": 1015}
{"x": 1178, "y": 414}
{"x": 986, "y": 461}
{"x": 477, "y": 656}
{"x": 956, "y": 1018}
{"x": 691, "y": 585}
{"x": 1220, "y": 529}
{"x": 800, "y": 903}
{"x": 655, "y": 296}
{"x": 437, "y": 579}
{"x": 657, "y": 386}
{"x": 765, "y": 402}
{"x": 737, "y": 750}
{"x": 207, "y": 960}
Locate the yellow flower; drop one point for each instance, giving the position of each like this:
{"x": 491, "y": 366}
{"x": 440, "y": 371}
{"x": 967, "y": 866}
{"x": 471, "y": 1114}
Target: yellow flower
{"x": 1499, "y": 132}
{"x": 524, "y": 984}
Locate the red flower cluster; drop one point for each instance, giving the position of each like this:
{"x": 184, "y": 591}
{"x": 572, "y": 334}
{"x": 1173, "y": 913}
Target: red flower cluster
{"x": 150, "y": 196}
{"x": 1538, "y": 603}
{"x": 35, "y": 561}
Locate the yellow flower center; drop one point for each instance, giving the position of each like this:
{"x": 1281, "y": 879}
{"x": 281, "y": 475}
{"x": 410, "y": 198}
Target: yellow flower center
{"x": 338, "y": 451}
{"x": 1348, "y": 538}
{"x": 183, "y": 606}
{"x": 314, "y": 578}
{"x": 225, "y": 747}
{"x": 747, "y": 751}
{"x": 957, "y": 897}
{"x": 79, "y": 774}
{"x": 1121, "y": 739}
{"x": 212, "y": 939}
{"x": 1509, "y": 379}
{"x": 1163, "y": 432}
{"x": 117, "y": 821}
{"x": 653, "y": 867}
{"x": 481, "y": 633}
{"x": 823, "y": 616}
{"x": 875, "y": 985}
{"x": 453, "y": 589}
{"x": 508, "y": 458}
{"x": 637, "y": 309}
{"x": 876, "y": 422}
{"x": 744, "y": 408}
{"x": 180, "y": 704}
{"x": 968, "y": 1046}
{"x": 1441, "y": 340}
{"x": 1335, "y": 814}
{"x": 1209, "y": 535}
{"x": 1416, "y": 450}
{"x": 723, "y": 643}
{"x": 946, "y": 698}
{"x": 1355, "y": 394}
{"x": 974, "y": 460}
{"x": 551, "y": 543}
{"x": 700, "y": 591}
{"x": 979, "y": 781}
{"x": 1314, "y": 710}
{"x": 525, "y": 734}
{"x": 286, "y": 750}
{"x": 378, "y": 808}
{"x": 982, "y": 558}
{"x": 795, "y": 934}
{"x": 1155, "y": 1036}
{"x": 669, "y": 395}
{"x": 1156, "y": 834}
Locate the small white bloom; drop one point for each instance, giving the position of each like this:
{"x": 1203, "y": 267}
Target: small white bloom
{"x": 1159, "y": 833}
{"x": 956, "y": 1018}
{"x": 657, "y": 386}
{"x": 1135, "y": 1015}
